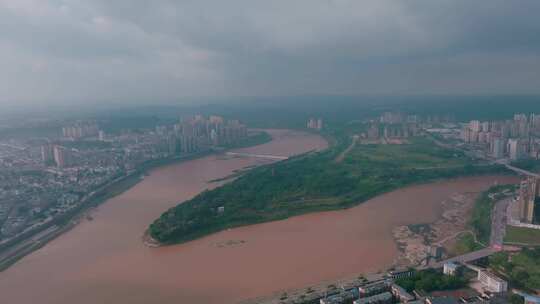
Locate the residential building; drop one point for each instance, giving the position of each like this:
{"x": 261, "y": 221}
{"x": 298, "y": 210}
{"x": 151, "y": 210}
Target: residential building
{"x": 401, "y": 294}
{"x": 442, "y": 300}
{"x": 491, "y": 282}
{"x": 80, "y": 129}
{"x": 392, "y": 118}
{"x": 373, "y": 288}
{"x": 399, "y": 274}
{"x": 450, "y": 268}
{"x": 315, "y": 123}
{"x": 341, "y": 298}
{"x": 319, "y": 124}
{"x": 528, "y": 198}
{"x": 61, "y": 156}
{"x": 373, "y": 132}
{"x": 382, "y": 298}
{"x": 47, "y": 154}
{"x": 475, "y": 126}
{"x": 515, "y": 149}
{"x": 498, "y": 146}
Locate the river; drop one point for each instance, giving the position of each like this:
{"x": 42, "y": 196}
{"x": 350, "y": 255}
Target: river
{"x": 105, "y": 261}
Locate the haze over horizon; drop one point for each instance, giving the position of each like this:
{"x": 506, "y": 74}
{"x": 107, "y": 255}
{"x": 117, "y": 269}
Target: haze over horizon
{"x": 73, "y": 52}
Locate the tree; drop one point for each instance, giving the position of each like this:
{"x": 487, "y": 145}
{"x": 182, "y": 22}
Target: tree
{"x": 516, "y": 299}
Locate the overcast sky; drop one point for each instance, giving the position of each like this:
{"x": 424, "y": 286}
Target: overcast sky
{"x": 162, "y": 51}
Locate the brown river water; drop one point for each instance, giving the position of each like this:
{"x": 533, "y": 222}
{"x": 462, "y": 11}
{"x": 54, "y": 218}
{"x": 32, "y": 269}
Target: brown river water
{"x": 105, "y": 261}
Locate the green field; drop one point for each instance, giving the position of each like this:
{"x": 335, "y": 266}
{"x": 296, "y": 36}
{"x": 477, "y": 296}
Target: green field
{"x": 466, "y": 243}
{"x": 522, "y": 236}
{"x": 313, "y": 182}
{"x": 420, "y": 154}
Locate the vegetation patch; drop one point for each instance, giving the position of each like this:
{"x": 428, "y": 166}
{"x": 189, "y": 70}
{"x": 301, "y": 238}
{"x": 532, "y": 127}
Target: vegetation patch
{"x": 481, "y": 217}
{"x": 522, "y": 269}
{"x": 522, "y": 236}
{"x": 466, "y": 243}
{"x": 432, "y": 280}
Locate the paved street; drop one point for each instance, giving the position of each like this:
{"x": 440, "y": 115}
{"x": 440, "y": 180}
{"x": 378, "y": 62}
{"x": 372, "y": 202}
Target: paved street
{"x": 498, "y": 223}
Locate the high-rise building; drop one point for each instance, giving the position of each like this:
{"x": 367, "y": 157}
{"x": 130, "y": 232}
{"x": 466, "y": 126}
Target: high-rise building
{"x": 466, "y": 134}
{"x": 47, "y": 154}
{"x": 475, "y": 126}
{"x": 319, "y": 124}
{"x": 101, "y": 135}
{"x": 482, "y": 137}
{"x": 216, "y": 119}
{"x": 172, "y": 144}
{"x": 315, "y": 123}
{"x": 392, "y": 118}
{"x": 529, "y": 197}
{"x": 373, "y": 132}
{"x": 535, "y": 122}
{"x": 485, "y": 126}
{"x": 498, "y": 147}
{"x": 197, "y": 132}
{"x": 413, "y": 119}
{"x": 80, "y": 129}
{"x": 515, "y": 149}
{"x": 520, "y": 117}
{"x": 61, "y": 156}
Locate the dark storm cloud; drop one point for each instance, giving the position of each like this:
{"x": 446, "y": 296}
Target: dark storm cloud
{"x": 163, "y": 50}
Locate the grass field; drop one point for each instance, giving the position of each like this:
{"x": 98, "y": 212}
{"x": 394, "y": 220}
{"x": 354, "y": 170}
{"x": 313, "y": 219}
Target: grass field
{"x": 420, "y": 154}
{"x": 465, "y": 244}
{"x": 522, "y": 235}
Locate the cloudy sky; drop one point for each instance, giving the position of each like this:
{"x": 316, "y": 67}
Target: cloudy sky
{"x": 162, "y": 51}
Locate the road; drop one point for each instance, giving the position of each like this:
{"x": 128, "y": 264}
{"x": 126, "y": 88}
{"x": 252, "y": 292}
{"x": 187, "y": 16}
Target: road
{"x": 498, "y": 230}
{"x": 342, "y": 155}
{"x": 498, "y": 223}
{"x": 521, "y": 171}
{"x": 478, "y": 154}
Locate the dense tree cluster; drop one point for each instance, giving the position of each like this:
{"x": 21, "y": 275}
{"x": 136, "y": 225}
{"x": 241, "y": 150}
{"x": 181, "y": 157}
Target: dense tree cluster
{"x": 431, "y": 280}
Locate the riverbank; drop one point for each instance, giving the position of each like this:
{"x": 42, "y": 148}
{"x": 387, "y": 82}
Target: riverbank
{"x": 17, "y": 248}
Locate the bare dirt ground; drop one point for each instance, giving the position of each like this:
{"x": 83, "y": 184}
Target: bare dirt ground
{"x": 414, "y": 241}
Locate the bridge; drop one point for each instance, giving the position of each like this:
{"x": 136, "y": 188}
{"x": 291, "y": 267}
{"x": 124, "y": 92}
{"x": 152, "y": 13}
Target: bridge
{"x": 266, "y": 156}
{"x": 521, "y": 171}
{"x": 465, "y": 258}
